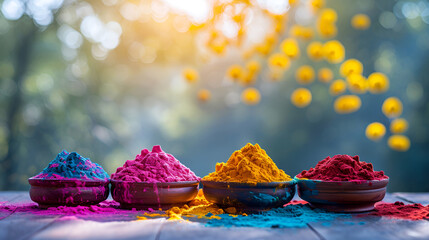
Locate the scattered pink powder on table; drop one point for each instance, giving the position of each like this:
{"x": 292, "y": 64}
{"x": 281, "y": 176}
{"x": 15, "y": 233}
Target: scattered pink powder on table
{"x": 153, "y": 167}
{"x": 104, "y": 211}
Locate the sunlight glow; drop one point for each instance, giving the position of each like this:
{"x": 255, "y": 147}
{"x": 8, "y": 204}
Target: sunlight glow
{"x": 197, "y": 10}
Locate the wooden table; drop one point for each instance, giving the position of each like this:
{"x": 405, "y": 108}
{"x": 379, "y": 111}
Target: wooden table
{"x": 20, "y": 225}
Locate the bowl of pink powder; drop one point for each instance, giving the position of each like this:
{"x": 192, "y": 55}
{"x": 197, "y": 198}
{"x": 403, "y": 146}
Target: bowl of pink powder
{"x": 342, "y": 184}
{"x": 69, "y": 180}
{"x": 154, "y": 179}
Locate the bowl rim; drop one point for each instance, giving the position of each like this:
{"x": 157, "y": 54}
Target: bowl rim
{"x": 159, "y": 184}
{"x": 343, "y": 182}
{"x": 34, "y": 181}
{"x": 250, "y": 185}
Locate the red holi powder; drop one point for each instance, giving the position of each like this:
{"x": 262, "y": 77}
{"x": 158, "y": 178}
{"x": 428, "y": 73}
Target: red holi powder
{"x": 400, "y": 210}
{"x": 153, "y": 167}
{"x": 342, "y": 168}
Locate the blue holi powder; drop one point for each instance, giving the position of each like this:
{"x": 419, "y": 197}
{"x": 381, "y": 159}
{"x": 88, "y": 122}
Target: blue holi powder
{"x": 297, "y": 215}
{"x": 73, "y": 165}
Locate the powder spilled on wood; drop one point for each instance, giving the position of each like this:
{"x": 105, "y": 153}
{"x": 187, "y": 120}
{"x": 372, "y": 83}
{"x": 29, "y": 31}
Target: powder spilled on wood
{"x": 296, "y": 214}
{"x": 400, "y": 210}
{"x": 103, "y": 210}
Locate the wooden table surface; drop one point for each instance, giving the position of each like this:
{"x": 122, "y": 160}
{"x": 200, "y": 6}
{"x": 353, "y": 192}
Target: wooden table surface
{"x": 21, "y": 225}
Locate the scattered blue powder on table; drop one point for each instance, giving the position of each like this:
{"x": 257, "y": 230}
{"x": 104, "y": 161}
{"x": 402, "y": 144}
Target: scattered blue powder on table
{"x": 72, "y": 166}
{"x": 294, "y": 215}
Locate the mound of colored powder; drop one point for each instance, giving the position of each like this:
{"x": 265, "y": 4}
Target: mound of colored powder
{"x": 72, "y": 166}
{"x": 153, "y": 167}
{"x": 342, "y": 168}
{"x": 401, "y": 210}
{"x": 251, "y": 164}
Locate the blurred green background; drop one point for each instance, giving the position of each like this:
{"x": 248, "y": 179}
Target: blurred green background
{"x": 103, "y": 78}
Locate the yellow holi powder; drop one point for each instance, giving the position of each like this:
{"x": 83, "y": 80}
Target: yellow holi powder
{"x": 199, "y": 207}
{"x": 251, "y": 164}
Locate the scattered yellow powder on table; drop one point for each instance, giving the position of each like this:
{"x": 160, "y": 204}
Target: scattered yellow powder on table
{"x": 199, "y": 207}
{"x": 251, "y": 164}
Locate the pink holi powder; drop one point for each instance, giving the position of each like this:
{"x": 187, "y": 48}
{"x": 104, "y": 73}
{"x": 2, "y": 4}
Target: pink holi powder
{"x": 102, "y": 209}
{"x": 153, "y": 167}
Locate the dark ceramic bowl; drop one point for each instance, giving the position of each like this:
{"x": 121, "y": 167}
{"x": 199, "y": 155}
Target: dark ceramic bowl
{"x": 342, "y": 196}
{"x": 248, "y": 196}
{"x": 142, "y": 195}
{"x": 67, "y": 192}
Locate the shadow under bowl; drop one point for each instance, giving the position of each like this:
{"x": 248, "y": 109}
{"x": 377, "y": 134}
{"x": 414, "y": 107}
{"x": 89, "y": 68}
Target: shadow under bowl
{"x": 342, "y": 196}
{"x": 67, "y": 192}
{"x": 248, "y": 196}
{"x": 143, "y": 195}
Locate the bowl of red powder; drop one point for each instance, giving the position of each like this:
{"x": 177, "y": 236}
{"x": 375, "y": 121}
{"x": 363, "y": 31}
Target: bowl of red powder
{"x": 69, "y": 180}
{"x": 154, "y": 179}
{"x": 342, "y": 184}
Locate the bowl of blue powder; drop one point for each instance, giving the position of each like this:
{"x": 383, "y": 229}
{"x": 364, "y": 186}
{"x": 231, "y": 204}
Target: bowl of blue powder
{"x": 69, "y": 180}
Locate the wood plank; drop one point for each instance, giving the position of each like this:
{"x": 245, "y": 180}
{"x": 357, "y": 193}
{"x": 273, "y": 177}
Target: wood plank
{"x": 72, "y": 228}
{"x": 422, "y": 198}
{"x": 9, "y": 195}
{"x": 22, "y": 225}
{"x": 192, "y": 230}
{"x": 123, "y": 225}
{"x": 373, "y": 227}
{"x": 10, "y": 198}
{"x": 5, "y": 198}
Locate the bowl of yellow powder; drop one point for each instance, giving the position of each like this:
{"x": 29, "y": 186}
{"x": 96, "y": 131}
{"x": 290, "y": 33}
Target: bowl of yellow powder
{"x": 249, "y": 180}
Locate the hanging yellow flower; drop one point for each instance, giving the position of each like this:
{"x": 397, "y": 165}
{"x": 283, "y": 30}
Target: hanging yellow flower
{"x": 304, "y": 74}
{"x": 317, "y": 4}
{"x": 361, "y": 21}
{"x": 235, "y": 72}
{"x": 301, "y": 32}
{"x": 301, "y": 97}
{"x": 399, "y": 143}
{"x": 328, "y": 15}
{"x": 378, "y": 83}
{"x": 347, "y": 104}
{"x": 351, "y": 66}
{"x": 398, "y": 126}
{"x": 375, "y": 131}
{"x": 253, "y": 66}
{"x": 204, "y": 95}
{"x": 315, "y": 51}
{"x": 290, "y": 47}
{"x": 337, "y": 87}
{"x": 392, "y": 107}
{"x": 251, "y": 96}
{"x": 333, "y": 51}
{"x": 279, "y": 60}
{"x": 357, "y": 83}
{"x": 325, "y": 75}
{"x": 327, "y": 30}
{"x": 248, "y": 78}
{"x": 190, "y": 75}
